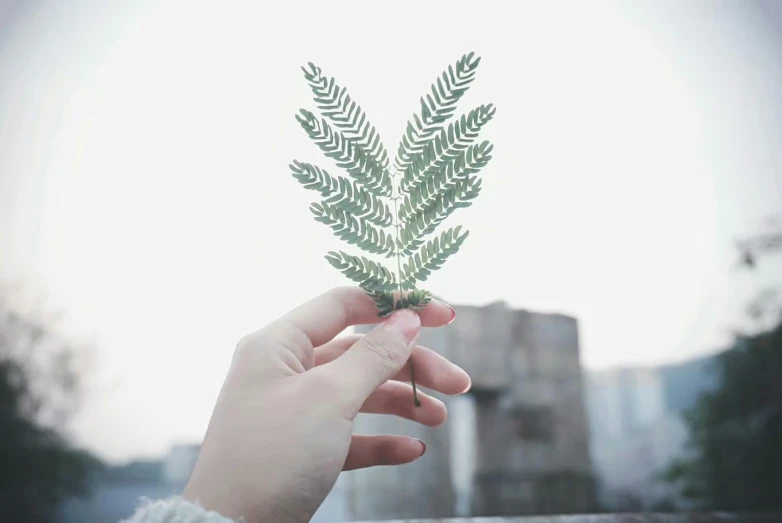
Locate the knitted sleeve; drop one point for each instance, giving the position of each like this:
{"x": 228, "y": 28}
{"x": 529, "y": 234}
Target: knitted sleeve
{"x": 175, "y": 510}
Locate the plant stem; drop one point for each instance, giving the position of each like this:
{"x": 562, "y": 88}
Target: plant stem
{"x": 395, "y": 192}
{"x": 416, "y": 401}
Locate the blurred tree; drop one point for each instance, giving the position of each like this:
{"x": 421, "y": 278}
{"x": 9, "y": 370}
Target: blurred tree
{"x": 765, "y": 310}
{"x": 39, "y": 391}
{"x": 764, "y": 243}
{"x": 734, "y": 459}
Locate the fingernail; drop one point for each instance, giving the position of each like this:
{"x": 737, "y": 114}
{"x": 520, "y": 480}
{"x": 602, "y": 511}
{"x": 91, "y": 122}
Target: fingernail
{"x": 469, "y": 386}
{"x": 423, "y": 446}
{"x": 405, "y": 322}
{"x": 453, "y": 312}
{"x": 469, "y": 380}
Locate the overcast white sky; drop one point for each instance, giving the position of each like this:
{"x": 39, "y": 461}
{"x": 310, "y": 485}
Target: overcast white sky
{"x": 144, "y": 182}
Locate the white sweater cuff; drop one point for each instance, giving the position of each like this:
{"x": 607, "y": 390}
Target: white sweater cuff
{"x": 175, "y": 510}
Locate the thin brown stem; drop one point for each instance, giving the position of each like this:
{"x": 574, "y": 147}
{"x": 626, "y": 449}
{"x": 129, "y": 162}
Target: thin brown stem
{"x": 416, "y": 401}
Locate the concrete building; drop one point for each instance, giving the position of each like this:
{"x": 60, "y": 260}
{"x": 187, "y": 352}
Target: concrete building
{"x": 518, "y": 445}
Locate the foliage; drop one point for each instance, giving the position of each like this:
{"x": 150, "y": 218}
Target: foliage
{"x": 764, "y": 243}
{"x": 735, "y": 447}
{"x": 435, "y": 171}
{"x": 735, "y": 459}
{"x": 38, "y": 393}
{"x": 765, "y": 309}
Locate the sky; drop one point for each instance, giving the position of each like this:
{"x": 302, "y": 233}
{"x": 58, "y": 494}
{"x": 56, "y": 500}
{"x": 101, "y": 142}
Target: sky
{"x": 144, "y": 185}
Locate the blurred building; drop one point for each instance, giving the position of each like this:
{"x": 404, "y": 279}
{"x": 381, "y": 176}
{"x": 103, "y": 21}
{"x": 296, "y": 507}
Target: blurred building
{"x": 637, "y": 429}
{"x": 633, "y": 436}
{"x": 519, "y": 444}
{"x": 179, "y": 463}
{"x": 622, "y": 401}
{"x": 118, "y": 490}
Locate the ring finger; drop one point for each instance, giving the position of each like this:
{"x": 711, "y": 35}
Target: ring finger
{"x": 396, "y": 398}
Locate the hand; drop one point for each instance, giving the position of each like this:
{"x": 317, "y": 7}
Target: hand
{"x": 281, "y": 431}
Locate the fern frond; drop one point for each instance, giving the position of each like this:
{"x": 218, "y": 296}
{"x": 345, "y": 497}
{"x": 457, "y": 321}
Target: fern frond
{"x": 433, "y": 255}
{"x": 343, "y": 194}
{"x": 348, "y": 154}
{"x": 445, "y": 147}
{"x": 416, "y": 299}
{"x": 436, "y": 172}
{"x": 314, "y": 178}
{"x": 360, "y": 202}
{"x": 466, "y": 163}
{"x": 370, "y": 276}
{"x": 429, "y": 216}
{"x": 354, "y": 230}
{"x": 386, "y": 303}
{"x": 436, "y": 108}
{"x": 336, "y": 104}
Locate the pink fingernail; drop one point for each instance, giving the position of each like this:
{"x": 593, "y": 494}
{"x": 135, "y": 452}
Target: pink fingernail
{"x": 453, "y": 312}
{"x": 405, "y": 322}
{"x": 422, "y": 445}
{"x": 469, "y": 386}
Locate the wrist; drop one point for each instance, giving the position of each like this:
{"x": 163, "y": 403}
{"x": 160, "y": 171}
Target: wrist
{"x": 179, "y": 509}
{"x": 227, "y": 504}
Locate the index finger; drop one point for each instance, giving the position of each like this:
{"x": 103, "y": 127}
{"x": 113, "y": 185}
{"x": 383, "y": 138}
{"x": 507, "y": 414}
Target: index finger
{"x": 325, "y": 316}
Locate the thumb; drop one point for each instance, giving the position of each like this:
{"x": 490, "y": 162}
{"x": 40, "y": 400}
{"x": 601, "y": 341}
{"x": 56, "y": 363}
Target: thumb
{"x": 377, "y": 357}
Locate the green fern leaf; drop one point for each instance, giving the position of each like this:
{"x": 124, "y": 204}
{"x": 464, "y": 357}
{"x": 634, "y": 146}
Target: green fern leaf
{"x": 433, "y": 255}
{"x": 429, "y": 216}
{"x": 336, "y": 104}
{"x": 314, "y": 178}
{"x": 386, "y": 303}
{"x": 343, "y": 194}
{"x": 438, "y": 164}
{"x": 360, "y": 202}
{"x": 436, "y": 108}
{"x": 445, "y": 147}
{"x": 348, "y": 154}
{"x": 466, "y": 163}
{"x": 416, "y": 299}
{"x": 354, "y": 230}
{"x": 370, "y": 276}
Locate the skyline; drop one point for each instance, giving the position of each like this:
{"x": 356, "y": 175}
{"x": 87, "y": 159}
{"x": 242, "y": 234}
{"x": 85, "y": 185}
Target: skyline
{"x": 139, "y": 177}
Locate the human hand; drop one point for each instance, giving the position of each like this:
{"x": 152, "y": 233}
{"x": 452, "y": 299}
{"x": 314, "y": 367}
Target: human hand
{"x": 281, "y": 430}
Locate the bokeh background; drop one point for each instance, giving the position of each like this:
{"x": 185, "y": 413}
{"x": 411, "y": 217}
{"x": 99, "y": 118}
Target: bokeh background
{"x": 617, "y": 298}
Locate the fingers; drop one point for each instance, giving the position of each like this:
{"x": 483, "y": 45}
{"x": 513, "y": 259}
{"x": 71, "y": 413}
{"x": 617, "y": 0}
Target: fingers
{"x": 374, "y": 359}
{"x": 372, "y": 451}
{"x": 327, "y": 315}
{"x": 431, "y": 370}
{"x": 396, "y": 399}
